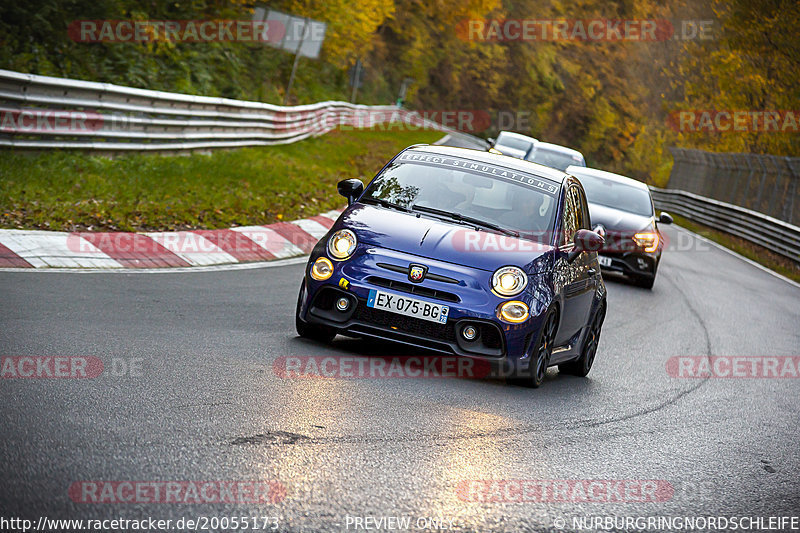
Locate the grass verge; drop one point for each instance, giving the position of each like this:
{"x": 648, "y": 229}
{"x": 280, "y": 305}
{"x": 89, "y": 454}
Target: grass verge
{"x": 771, "y": 260}
{"x": 72, "y": 191}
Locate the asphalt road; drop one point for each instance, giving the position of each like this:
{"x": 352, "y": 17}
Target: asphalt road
{"x": 203, "y": 403}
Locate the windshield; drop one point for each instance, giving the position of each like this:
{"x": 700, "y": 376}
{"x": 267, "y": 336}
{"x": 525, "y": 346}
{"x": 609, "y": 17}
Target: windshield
{"x": 500, "y": 201}
{"x": 553, "y": 159}
{"x": 617, "y": 195}
{"x": 505, "y": 141}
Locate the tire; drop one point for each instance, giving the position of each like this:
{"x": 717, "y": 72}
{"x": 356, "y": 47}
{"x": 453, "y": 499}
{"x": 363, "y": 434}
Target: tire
{"x": 310, "y": 331}
{"x": 645, "y": 283}
{"x": 581, "y": 366}
{"x": 540, "y": 359}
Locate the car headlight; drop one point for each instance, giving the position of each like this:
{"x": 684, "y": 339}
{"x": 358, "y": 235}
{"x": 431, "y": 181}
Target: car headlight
{"x": 322, "y": 269}
{"x": 647, "y": 240}
{"x": 509, "y": 281}
{"x": 342, "y": 244}
{"x": 514, "y": 312}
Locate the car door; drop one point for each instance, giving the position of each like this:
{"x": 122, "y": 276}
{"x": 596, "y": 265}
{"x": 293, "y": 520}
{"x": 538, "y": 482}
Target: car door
{"x": 579, "y": 282}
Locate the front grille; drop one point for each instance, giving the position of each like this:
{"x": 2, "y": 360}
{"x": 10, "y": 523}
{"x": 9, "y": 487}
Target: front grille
{"x": 406, "y": 324}
{"x": 428, "y": 275}
{"x": 410, "y": 288}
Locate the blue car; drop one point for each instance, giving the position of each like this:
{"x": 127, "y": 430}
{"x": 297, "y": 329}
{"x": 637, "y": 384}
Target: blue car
{"x": 465, "y": 252}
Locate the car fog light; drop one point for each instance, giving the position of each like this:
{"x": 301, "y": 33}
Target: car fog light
{"x": 322, "y": 269}
{"x": 342, "y": 304}
{"x": 514, "y": 312}
{"x": 469, "y": 333}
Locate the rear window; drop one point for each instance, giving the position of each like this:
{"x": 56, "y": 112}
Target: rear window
{"x": 512, "y": 142}
{"x": 558, "y": 160}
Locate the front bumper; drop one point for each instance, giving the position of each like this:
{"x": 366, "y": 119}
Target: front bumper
{"x": 639, "y": 264}
{"x": 464, "y": 290}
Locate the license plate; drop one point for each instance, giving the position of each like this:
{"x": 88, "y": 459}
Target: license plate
{"x": 402, "y": 305}
{"x": 604, "y": 261}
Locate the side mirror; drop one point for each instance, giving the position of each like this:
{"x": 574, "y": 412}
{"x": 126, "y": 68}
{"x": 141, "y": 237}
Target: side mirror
{"x": 350, "y": 189}
{"x": 665, "y": 218}
{"x": 585, "y": 241}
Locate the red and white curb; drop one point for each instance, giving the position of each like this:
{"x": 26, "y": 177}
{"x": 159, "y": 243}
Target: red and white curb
{"x": 121, "y": 250}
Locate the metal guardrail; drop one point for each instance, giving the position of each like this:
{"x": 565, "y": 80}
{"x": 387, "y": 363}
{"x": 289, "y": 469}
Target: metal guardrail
{"x": 776, "y": 235}
{"x": 40, "y": 112}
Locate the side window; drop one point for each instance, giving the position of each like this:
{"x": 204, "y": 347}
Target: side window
{"x": 570, "y": 222}
{"x": 580, "y": 201}
{"x": 577, "y": 208}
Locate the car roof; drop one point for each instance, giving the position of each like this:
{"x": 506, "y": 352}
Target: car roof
{"x": 577, "y": 171}
{"x": 507, "y": 161}
{"x": 540, "y": 145}
{"x": 514, "y": 135}
{"x": 557, "y": 148}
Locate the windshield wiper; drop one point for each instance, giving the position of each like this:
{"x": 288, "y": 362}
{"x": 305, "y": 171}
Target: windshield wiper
{"x": 384, "y": 203}
{"x": 464, "y": 218}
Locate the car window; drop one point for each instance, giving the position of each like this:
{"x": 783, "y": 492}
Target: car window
{"x": 552, "y": 159}
{"x": 513, "y": 142}
{"x": 580, "y": 201}
{"x": 570, "y": 222}
{"x": 617, "y": 195}
{"x": 509, "y": 204}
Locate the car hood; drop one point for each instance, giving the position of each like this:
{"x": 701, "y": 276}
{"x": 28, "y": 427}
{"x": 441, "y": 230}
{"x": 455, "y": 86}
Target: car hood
{"x": 617, "y": 220}
{"x": 427, "y": 237}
